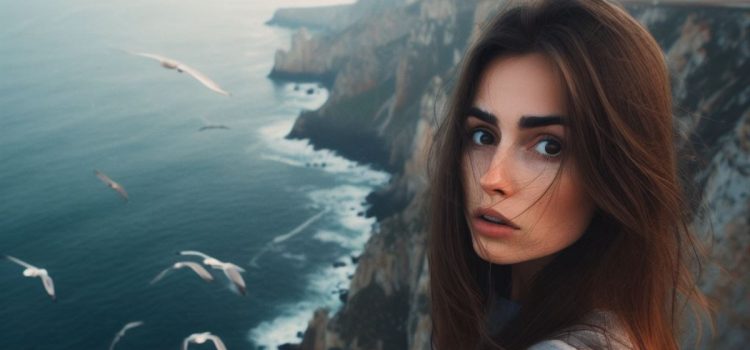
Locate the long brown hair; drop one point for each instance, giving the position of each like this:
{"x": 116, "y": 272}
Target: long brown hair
{"x": 637, "y": 256}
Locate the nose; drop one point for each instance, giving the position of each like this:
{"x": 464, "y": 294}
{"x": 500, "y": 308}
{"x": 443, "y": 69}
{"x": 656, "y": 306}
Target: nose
{"x": 497, "y": 179}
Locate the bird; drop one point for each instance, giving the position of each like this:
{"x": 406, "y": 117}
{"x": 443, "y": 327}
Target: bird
{"x": 112, "y": 184}
{"x": 232, "y": 271}
{"x": 200, "y": 338}
{"x": 170, "y": 63}
{"x": 209, "y": 127}
{"x": 200, "y": 270}
{"x": 121, "y": 333}
{"x": 33, "y": 271}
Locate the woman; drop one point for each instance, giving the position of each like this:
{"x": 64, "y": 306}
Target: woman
{"x": 558, "y": 221}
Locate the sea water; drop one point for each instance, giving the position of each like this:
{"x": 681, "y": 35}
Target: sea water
{"x": 73, "y": 100}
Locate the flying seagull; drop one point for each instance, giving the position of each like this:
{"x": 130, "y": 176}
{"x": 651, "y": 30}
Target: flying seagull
{"x": 200, "y": 338}
{"x": 210, "y": 127}
{"x": 121, "y": 333}
{"x": 170, "y": 63}
{"x": 200, "y": 270}
{"x": 112, "y": 184}
{"x": 232, "y": 271}
{"x": 33, "y": 271}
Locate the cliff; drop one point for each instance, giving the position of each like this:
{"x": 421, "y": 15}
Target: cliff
{"x": 321, "y": 18}
{"x": 330, "y": 18}
{"x": 389, "y": 74}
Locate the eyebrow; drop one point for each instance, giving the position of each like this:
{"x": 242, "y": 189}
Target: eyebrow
{"x": 486, "y": 117}
{"x": 526, "y": 121}
{"x": 533, "y": 121}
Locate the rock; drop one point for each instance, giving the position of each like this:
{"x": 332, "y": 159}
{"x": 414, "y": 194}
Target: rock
{"x": 343, "y": 295}
{"x": 315, "y": 335}
{"x": 329, "y": 18}
{"x": 322, "y": 17}
{"x": 338, "y": 264}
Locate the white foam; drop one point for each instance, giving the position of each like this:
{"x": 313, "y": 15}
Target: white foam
{"x": 323, "y": 288}
{"x": 348, "y": 204}
{"x": 350, "y": 230}
{"x": 300, "y": 153}
{"x": 296, "y": 257}
{"x": 281, "y": 238}
{"x": 287, "y": 161}
{"x": 334, "y": 237}
{"x": 347, "y": 227}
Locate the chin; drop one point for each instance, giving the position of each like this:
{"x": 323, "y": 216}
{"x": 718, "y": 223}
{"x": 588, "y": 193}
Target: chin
{"x": 489, "y": 255}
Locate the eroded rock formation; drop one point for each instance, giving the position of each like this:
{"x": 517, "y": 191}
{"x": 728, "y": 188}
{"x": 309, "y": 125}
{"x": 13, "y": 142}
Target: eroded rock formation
{"x": 390, "y": 72}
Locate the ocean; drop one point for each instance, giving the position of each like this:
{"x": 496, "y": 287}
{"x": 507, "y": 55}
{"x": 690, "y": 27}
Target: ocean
{"x": 72, "y": 101}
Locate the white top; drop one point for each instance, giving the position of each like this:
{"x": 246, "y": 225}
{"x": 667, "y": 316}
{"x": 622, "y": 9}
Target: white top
{"x": 601, "y": 330}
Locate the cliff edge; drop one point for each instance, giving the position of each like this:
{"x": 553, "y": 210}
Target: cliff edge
{"x": 389, "y": 74}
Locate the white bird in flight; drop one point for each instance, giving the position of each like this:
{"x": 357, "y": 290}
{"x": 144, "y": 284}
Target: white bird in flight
{"x": 232, "y": 271}
{"x": 200, "y": 270}
{"x": 33, "y": 271}
{"x": 170, "y": 63}
{"x": 112, "y": 184}
{"x": 200, "y": 338}
{"x": 121, "y": 333}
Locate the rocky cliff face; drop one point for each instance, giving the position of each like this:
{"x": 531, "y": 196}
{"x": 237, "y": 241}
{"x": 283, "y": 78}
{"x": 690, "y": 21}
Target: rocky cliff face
{"x": 330, "y": 18}
{"x": 390, "y": 73}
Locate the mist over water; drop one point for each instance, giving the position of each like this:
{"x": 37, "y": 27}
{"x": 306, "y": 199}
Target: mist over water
{"x": 72, "y": 101}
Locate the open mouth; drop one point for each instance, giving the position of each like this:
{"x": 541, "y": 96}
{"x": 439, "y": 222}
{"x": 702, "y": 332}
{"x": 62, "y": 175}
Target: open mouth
{"x": 496, "y": 218}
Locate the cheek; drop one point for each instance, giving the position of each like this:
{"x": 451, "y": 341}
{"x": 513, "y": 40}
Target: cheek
{"x": 475, "y": 163}
{"x": 569, "y": 208}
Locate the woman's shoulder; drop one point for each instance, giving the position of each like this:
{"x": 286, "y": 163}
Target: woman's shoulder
{"x": 599, "y": 330}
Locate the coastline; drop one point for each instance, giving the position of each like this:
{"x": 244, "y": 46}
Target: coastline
{"x": 393, "y": 103}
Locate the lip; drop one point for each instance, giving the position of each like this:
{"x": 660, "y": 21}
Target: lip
{"x": 491, "y": 229}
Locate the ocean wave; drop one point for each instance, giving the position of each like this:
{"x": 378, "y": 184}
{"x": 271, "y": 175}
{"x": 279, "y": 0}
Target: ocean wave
{"x": 300, "y": 153}
{"x": 322, "y": 292}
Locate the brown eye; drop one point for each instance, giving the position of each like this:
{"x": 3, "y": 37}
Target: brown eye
{"x": 549, "y": 148}
{"x": 482, "y": 137}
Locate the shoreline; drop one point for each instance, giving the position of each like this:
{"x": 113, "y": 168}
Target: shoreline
{"x": 345, "y": 226}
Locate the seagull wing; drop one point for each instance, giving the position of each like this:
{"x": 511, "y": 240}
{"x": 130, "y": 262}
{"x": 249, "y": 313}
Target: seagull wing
{"x": 111, "y": 183}
{"x": 206, "y": 81}
{"x": 237, "y": 267}
{"x": 160, "y": 275}
{"x": 49, "y": 285}
{"x": 234, "y": 275}
{"x": 121, "y": 191}
{"x": 186, "y": 342}
{"x": 153, "y": 56}
{"x": 200, "y": 270}
{"x": 117, "y": 339}
{"x": 102, "y": 176}
{"x": 210, "y": 127}
{"x": 20, "y": 262}
{"x": 121, "y": 333}
{"x": 185, "y": 68}
{"x": 131, "y": 325}
{"x": 190, "y": 339}
{"x": 194, "y": 252}
{"x": 217, "y": 342}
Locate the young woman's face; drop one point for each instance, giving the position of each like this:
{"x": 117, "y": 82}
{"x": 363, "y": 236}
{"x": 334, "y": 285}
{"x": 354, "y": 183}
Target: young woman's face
{"x": 516, "y": 137}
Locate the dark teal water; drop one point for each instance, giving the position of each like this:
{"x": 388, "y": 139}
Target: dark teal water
{"x": 71, "y": 101}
